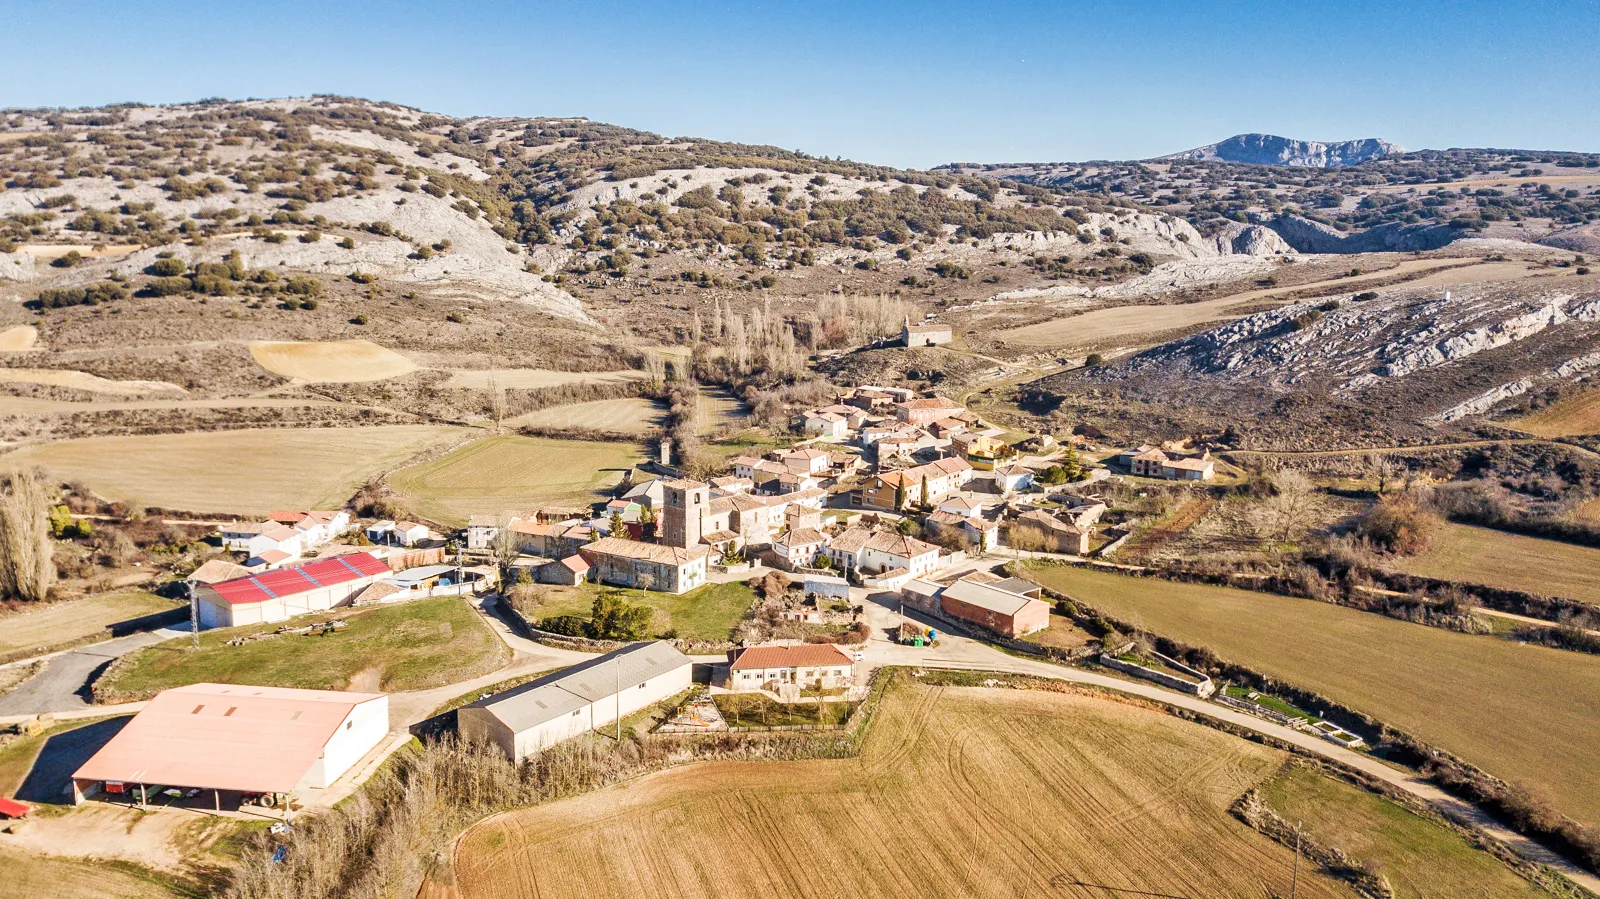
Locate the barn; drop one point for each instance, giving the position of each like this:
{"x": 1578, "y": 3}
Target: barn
{"x": 285, "y": 592}
{"x": 566, "y": 703}
{"x": 1000, "y": 610}
{"x": 227, "y": 738}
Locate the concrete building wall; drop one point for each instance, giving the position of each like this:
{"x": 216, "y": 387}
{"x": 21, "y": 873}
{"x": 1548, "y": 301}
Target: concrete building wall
{"x": 364, "y": 728}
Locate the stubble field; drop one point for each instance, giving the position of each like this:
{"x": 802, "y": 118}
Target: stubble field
{"x": 245, "y": 472}
{"x": 1573, "y": 416}
{"x": 525, "y": 378}
{"x": 511, "y": 472}
{"x": 1528, "y": 714}
{"x": 1483, "y": 556}
{"x": 629, "y": 415}
{"x": 957, "y": 792}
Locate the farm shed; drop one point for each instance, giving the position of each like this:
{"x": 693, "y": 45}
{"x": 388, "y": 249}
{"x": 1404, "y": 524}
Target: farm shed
{"x": 827, "y": 585}
{"x": 999, "y": 610}
{"x": 589, "y": 695}
{"x": 286, "y": 592}
{"x": 228, "y": 737}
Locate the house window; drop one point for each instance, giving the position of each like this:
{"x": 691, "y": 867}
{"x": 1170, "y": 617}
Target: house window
{"x": 641, "y": 686}
{"x": 349, "y": 724}
{"x": 577, "y": 713}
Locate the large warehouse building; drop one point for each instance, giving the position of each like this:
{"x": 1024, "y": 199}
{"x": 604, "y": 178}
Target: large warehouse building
{"x": 226, "y": 738}
{"x": 587, "y": 696}
{"x": 285, "y": 592}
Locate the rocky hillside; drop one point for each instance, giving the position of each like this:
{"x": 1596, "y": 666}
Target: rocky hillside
{"x": 1551, "y": 198}
{"x": 1370, "y": 366}
{"x": 1270, "y": 149}
{"x": 566, "y": 218}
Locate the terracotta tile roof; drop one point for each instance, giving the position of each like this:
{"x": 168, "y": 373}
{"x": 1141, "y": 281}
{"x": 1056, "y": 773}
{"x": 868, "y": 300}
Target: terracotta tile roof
{"x": 898, "y": 545}
{"x": 646, "y": 552}
{"x": 804, "y": 655}
{"x": 800, "y": 537}
{"x": 851, "y": 540}
{"x": 935, "y": 402}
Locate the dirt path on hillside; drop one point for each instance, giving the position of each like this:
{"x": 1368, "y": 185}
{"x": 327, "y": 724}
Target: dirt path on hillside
{"x": 1385, "y": 450}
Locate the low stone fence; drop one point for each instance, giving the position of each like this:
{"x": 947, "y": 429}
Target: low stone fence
{"x": 1258, "y": 710}
{"x": 1202, "y": 686}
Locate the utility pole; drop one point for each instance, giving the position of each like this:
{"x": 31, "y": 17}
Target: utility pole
{"x": 194, "y": 614}
{"x": 1294, "y": 883}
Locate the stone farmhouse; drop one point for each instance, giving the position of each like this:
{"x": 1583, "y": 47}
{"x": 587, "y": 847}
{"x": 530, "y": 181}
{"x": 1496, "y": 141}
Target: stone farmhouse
{"x": 901, "y": 489}
{"x": 925, "y": 334}
{"x": 1154, "y": 462}
{"x": 646, "y": 566}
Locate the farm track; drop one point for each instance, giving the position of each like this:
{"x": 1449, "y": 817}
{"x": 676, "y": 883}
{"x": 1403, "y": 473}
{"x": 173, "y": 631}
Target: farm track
{"x": 1176, "y": 524}
{"x": 1418, "y": 448}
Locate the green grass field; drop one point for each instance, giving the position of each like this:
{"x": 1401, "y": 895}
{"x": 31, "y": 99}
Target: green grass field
{"x": 1476, "y": 555}
{"x": 38, "y": 631}
{"x": 1423, "y": 859}
{"x": 1524, "y": 713}
{"x": 412, "y": 646}
{"x": 512, "y": 472}
{"x": 708, "y": 612}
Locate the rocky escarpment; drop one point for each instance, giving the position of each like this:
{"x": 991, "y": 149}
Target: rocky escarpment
{"x": 1308, "y": 236}
{"x": 1270, "y": 149}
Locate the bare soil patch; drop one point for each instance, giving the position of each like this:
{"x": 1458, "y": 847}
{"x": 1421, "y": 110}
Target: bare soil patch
{"x": 77, "y": 380}
{"x": 19, "y": 338}
{"x": 332, "y": 361}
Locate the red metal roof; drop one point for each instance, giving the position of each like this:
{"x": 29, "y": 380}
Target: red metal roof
{"x": 11, "y": 808}
{"x": 300, "y": 578}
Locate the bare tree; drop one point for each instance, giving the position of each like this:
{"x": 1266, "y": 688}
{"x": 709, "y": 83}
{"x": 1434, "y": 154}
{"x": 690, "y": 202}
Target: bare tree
{"x": 27, "y": 564}
{"x": 1382, "y": 470}
{"x": 1287, "y": 512}
{"x": 506, "y": 547}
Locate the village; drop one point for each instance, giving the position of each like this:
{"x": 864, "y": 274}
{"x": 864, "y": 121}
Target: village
{"x": 890, "y": 513}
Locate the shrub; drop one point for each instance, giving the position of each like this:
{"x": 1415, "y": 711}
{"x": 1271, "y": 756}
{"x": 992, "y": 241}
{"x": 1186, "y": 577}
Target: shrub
{"x": 1397, "y": 524}
{"x": 166, "y": 287}
{"x": 71, "y": 259}
{"x": 361, "y": 277}
{"x": 168, "y": 268}
{"x": 304, "y": 285}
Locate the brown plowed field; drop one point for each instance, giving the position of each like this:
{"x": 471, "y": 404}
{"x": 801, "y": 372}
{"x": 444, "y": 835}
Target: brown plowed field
{"x": 1574, "y": 416}
{"x": 958, "y": 792}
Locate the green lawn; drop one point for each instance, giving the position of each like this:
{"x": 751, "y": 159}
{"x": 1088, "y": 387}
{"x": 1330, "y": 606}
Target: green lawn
{"x": 707, "y": 612}
{"x": 513, "y": 472}
{"x": 1268, "y": 701}
{"x": 757, "y": 710}
{"x": 412, "y": 646}
{"x": 1422, "y": 859}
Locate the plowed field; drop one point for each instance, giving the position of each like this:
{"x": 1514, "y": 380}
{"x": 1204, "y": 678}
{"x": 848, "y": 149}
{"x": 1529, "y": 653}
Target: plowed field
{"x": 958, "y": 792}
{"x": 331, "y": 361}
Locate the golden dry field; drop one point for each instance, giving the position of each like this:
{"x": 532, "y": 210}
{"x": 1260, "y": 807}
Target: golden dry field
{"x": 58, "y": 623}
{"x": 1573, "y": 416}
{"x": 19, "y": 338}
{"x": 77, "y": 380}
{"x": 629, "y": 415}
{"x": 25, "y": 874}
{"x": 958, "y": 792}
{"x": 330, "y": 362}
{"x": 527, "y": 378}
{"x": 1476, "y": 555}
{"x": 1528, "y": 714}
{"x": 241, "y": 472}
{"x": 511, "y": 472}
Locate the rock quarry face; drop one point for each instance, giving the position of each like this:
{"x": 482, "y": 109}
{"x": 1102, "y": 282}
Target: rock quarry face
{"x": 1270, "y": 149}
{"x": 1407, "y": 334}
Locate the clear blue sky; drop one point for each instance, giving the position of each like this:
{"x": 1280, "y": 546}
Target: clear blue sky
{"x": 908, "y": 84}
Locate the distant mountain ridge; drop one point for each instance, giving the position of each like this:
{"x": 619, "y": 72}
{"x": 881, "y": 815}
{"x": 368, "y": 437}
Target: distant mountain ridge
{"x": 1270, "y": 149}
